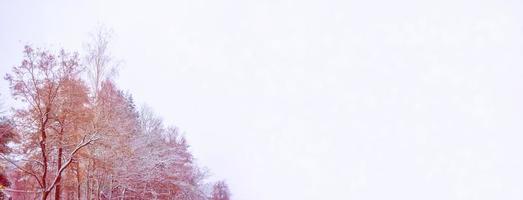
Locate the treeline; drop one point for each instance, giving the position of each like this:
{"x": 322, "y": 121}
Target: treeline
{"x": 77, "y": 136}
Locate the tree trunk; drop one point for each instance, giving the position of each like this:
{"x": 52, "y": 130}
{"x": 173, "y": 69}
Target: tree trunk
{"x": 88, "y": 188}
{"x": 123, "y": 193}
{"x": 43, "y": 140}
{"x": 45, "y": 194}
{"x": 98, "y": 186}
{"x": 58, "y": 190}
{"x": 111, "y": 187}
{"x": 144, "y": 190}
{"x": 88, "y": 181}
{"x": 78, "y": 181}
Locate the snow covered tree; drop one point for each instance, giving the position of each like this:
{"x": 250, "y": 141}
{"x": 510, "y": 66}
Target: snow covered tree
{"x": 55, "y": 104}
{"x": 117, "y": 122}
{"x": 220, "y": 191}
{"x": 88, "y": 141}
{"x": 100, "y": 64}
{"x": 6, "y": 135}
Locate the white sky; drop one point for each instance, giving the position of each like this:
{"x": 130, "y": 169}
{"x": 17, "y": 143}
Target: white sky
{"x": 317, "y": 99}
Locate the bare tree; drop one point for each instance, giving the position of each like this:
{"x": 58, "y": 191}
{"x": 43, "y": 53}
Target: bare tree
{"x": 99, "y": 61}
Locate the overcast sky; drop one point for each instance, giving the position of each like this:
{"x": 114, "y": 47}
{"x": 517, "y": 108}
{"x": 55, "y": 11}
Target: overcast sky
{"x": 312, "y": 100}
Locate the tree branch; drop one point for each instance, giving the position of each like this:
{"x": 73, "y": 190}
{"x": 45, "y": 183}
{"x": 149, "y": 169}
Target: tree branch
{"x": 22, "y": 169}
{"x": 80, "y": 145}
